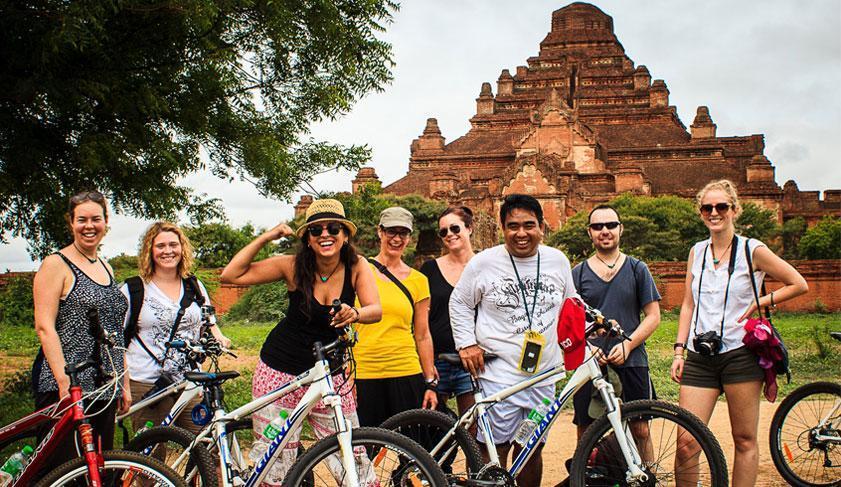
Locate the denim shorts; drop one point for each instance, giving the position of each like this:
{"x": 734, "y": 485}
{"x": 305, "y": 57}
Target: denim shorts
{"x": 453, "y": 379}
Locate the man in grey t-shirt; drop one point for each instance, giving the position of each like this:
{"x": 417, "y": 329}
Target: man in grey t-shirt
{"x": 620, "y": 286}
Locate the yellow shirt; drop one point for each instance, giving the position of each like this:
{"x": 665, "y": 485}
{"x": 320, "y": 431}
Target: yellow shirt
{"x": 386, "y": 349}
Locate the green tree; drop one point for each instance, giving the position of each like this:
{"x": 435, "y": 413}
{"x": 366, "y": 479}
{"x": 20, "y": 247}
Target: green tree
{"x": 792, "y": 231}
{"x": 757, "y": 222}
{"x": 214, "y": 244}
{"x": 121, "y": 96}
{"x": 123, "y": 261}
{"x": 823, "y": 241}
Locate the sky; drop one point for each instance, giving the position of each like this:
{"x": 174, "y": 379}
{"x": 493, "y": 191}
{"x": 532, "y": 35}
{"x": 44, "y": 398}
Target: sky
{"x": 768, "y": 67}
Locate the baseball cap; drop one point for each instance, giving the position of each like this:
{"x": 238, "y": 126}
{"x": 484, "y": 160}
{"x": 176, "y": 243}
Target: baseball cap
{"x": 571, "y": 332}
{"x": 396, "y": 216}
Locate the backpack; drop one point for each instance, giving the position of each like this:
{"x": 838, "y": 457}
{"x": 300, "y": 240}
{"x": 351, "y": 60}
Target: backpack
{"x": 192, "y": 293}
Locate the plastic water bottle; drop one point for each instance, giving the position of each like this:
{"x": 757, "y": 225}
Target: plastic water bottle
{"x": 273, "y": 429}
{"x": 14, "y": 465}
{"x": 146, "y": 426}
{"x": 530, "y": 423}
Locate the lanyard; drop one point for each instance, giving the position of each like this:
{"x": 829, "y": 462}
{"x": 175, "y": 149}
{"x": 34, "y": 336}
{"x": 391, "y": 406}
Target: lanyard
{"x": 523, "y": 287}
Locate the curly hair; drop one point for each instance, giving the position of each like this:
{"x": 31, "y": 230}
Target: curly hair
{"x": 145, "y": 263}
{"x": 727, "y": 187}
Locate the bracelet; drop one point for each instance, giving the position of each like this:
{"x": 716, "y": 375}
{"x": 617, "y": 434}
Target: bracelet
{"x": 773, "y": 305}
{"x": 679, "y": 344}
{"x": 680, "y": 357}
{"x": 357, "y": 314}
{"x": 432, "y": 384}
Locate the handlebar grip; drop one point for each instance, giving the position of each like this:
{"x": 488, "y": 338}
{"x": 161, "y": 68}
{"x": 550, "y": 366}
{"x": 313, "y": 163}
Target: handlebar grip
{"x": 94, "y": 327}
{"x": 336, "y": 306}
{"x": 178, "y": 343}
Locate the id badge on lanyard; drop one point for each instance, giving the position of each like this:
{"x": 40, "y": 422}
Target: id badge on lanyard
{"x": 533, "y": 342}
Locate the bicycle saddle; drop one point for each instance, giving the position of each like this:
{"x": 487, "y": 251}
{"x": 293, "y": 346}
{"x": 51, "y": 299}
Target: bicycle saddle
{"x": 454, "y": 359}
{"x": 202, "y": 377}
{"x": 836, "y": 335}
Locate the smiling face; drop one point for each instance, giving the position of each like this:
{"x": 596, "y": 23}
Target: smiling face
{"x": 605, "y": 239}
{"x": 714, "y": 220}
{"x": 393, "y": 240}
{"x": 325, "y": 244}
{"x": 523, "y": 233}
{"x": 166, "y": 251}
{"x": 88, "y": 224}
{"x": 454, "y": 241}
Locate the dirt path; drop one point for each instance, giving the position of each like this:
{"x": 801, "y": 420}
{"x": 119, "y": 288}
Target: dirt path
{"x": 561, "y": 445}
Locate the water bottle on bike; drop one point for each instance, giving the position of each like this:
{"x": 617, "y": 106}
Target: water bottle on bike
{"x": 260, "y": 446}
{"x": 530, "y": 423}
{"x": 14, "y": 465}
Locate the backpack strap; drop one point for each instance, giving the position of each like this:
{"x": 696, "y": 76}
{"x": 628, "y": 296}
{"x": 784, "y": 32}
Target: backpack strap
{"x": 387, "y": 273}
{"x": 135, "y": 296}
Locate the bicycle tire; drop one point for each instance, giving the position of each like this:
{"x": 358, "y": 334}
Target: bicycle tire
{"x": 794, "y": 450}
{"x": 168, "y": 443}
{"x": 393, "y": 458}
{"x": 138, "y": 469}
{"x": 427, "y": 428}
{"x": 599, "y": 461}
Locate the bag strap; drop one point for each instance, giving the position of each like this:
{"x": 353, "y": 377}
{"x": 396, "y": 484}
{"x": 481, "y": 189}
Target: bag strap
{"x": 387, "y": 273}
{"x": 753, "y": 282}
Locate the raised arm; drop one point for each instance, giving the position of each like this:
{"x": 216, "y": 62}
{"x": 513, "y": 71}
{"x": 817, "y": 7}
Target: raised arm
{"x": 244, "y": 271}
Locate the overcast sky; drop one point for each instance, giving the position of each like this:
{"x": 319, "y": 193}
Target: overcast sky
{"x": 762, "y": 67}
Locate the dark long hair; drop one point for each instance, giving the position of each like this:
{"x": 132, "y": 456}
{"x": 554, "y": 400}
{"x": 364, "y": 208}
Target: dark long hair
{"x": 305, "y": 267}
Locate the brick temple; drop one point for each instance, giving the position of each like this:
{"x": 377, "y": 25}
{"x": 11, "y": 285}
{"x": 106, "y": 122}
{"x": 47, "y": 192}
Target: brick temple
{"x": 579, "y": 125}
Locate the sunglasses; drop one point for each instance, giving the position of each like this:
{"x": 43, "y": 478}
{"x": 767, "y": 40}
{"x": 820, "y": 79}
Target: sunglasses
{"x": 333, "y": 228}
{"x": 721, "y": 208}
{"x": 392, "y": 232}
{"x": 456, "y": 229}
{"x": 597, "y": 227}
{"x": 95, "y": 196}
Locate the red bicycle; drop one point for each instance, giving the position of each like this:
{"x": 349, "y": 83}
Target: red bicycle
{"x": 94, "y": 467}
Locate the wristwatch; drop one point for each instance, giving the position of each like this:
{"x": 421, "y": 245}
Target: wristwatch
{"x": 432, "y": 383}
{"x": 679, "y": 344}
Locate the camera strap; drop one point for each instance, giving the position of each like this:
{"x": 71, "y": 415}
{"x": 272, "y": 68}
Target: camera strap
{"x": 731, "y": 266}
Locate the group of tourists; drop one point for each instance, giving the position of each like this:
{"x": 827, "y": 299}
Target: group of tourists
{"x": 504, "y": 300}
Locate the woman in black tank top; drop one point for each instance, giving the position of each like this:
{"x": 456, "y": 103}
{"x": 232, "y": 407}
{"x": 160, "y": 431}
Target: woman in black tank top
{"x": 325, "y": 267}
{"x": 66, "y": 286}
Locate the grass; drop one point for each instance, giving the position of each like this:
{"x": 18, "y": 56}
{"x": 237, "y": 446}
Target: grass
{"x": 814, "y": 356}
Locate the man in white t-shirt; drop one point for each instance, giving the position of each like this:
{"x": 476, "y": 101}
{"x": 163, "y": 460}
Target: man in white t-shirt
{"x": 515, "y": 292}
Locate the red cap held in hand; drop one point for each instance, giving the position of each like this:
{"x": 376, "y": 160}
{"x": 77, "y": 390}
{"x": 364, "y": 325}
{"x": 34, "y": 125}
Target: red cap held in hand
{"x": 571, "y": 332}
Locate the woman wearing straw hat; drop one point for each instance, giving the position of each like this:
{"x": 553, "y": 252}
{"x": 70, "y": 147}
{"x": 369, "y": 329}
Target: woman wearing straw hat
{"x": 325, "y": 267}
{"x": 395, "y": 365}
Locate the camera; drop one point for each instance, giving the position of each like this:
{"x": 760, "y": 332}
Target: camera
{"x": 707, "y": 344}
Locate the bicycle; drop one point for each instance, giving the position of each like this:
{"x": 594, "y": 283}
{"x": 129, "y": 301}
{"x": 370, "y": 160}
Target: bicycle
{"x": 68, "y": 415}
{"x": 805, "y": 436}
{"x": 607, "y": 454}
{"x": 349, "y": 457}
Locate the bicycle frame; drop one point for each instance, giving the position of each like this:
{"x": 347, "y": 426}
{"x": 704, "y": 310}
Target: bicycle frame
{"x": 187, "y": 390}
{"x": 321, "y": 388}
{"x": 589, "y": 370}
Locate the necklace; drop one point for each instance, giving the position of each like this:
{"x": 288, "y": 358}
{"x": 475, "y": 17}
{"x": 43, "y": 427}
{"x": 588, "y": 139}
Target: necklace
{"x": 712, "y": 246}
{"x": 328, "y": 276}
{"x": 610, "y": 266}
{"x": 92, "y": 261}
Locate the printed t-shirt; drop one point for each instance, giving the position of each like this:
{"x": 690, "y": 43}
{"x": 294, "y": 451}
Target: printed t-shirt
{"x": 387, "y": 348}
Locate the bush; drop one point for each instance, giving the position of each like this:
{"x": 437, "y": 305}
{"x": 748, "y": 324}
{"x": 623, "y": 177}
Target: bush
{"x": 123, "y": 261}
{"x": 823, "y": 241}
{"x": 792, "y": 231}
{"x": 16, "y": 302}
{"x": 263, "y": 303}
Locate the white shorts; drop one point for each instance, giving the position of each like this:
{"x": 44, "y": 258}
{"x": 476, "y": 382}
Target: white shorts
{"x": 505, "y": 416}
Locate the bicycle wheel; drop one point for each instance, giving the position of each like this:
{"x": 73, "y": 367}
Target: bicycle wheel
{"x": 805, "y": 451}
{"x": 657, "y": 427}
{"x": 168, "y": 443}
{"x": 459, "y": 458}
{"x": 120, "y": 468}
{"x": 382, "y": 458}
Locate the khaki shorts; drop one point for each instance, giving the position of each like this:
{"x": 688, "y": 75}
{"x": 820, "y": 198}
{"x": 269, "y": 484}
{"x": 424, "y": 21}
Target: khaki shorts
{"x": 158, "y": 411}
{"x": 713, "y": 372}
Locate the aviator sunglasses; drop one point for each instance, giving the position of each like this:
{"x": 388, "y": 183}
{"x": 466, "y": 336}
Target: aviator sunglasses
{"x": 333, "y": 228}
{"x": 719, "y": 207}
{"x": 456, "y": 229}
{"x": 597, "y": 227}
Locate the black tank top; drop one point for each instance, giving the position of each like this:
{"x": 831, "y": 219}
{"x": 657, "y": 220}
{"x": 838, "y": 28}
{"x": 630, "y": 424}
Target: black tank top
{"x": 288, "y": 348}
{"x": 439, "y": 308}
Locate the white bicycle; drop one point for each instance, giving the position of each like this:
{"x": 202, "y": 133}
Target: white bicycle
{"x": 633, "y": 444}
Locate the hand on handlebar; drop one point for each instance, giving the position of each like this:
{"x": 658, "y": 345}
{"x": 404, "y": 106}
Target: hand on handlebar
{"x": 343, "y": 315}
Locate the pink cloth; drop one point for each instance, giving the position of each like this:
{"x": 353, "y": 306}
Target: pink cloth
{"x": 760, "y": 339}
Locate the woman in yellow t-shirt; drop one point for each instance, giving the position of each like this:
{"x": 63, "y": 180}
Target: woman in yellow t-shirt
{"x": 394, "y": 359}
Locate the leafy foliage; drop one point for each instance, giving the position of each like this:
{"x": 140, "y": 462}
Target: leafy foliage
{"x": 792, "y": 231}
{"x": 823, "y": 241}
{"x": 214, "y": 244}
{"x": 121, "y": 95}
{"x": 123, "y": 261}
{"x": 757, "y": 222}
{"x": 16, "y": 303}
{"x": 263, "y": 303}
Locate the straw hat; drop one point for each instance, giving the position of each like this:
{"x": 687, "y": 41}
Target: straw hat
{"x": 326, "y": 210}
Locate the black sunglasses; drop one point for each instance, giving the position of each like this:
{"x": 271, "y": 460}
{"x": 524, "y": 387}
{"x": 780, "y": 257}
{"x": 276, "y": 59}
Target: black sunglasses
{"x": 456, "y": 229}
{"x": 95, "y": 196}
{"x": 721, "y": 208}
{"x": 392, "y": 232}
{"x": 333, "y": 228}
{"x": 597, "y": 227}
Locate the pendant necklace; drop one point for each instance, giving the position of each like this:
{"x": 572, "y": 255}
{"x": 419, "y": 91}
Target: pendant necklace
{"x": 328, "y": 276}
{"x": 716, "y": 261}
{"x": 610, "y": 266}
{"x": 92, "y": 261}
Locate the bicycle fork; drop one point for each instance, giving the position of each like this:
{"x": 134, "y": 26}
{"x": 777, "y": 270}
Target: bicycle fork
{"x": 628, "y": 446}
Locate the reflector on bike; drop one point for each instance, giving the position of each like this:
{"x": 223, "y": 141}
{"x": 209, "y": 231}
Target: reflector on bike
{"x": 571, "y": 332}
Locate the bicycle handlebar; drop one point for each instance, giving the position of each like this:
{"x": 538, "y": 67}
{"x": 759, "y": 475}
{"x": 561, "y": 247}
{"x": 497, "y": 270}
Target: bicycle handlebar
{"x": 598, "y": 322}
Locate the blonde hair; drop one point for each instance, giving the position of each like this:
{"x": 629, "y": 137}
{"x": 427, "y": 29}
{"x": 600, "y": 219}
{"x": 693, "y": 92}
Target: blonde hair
{"x": 145, "y": 262}
{"x": 727, "y": 187}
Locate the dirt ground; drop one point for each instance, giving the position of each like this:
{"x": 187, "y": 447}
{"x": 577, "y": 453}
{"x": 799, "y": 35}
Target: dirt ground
{"x": 561, "y": 444}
